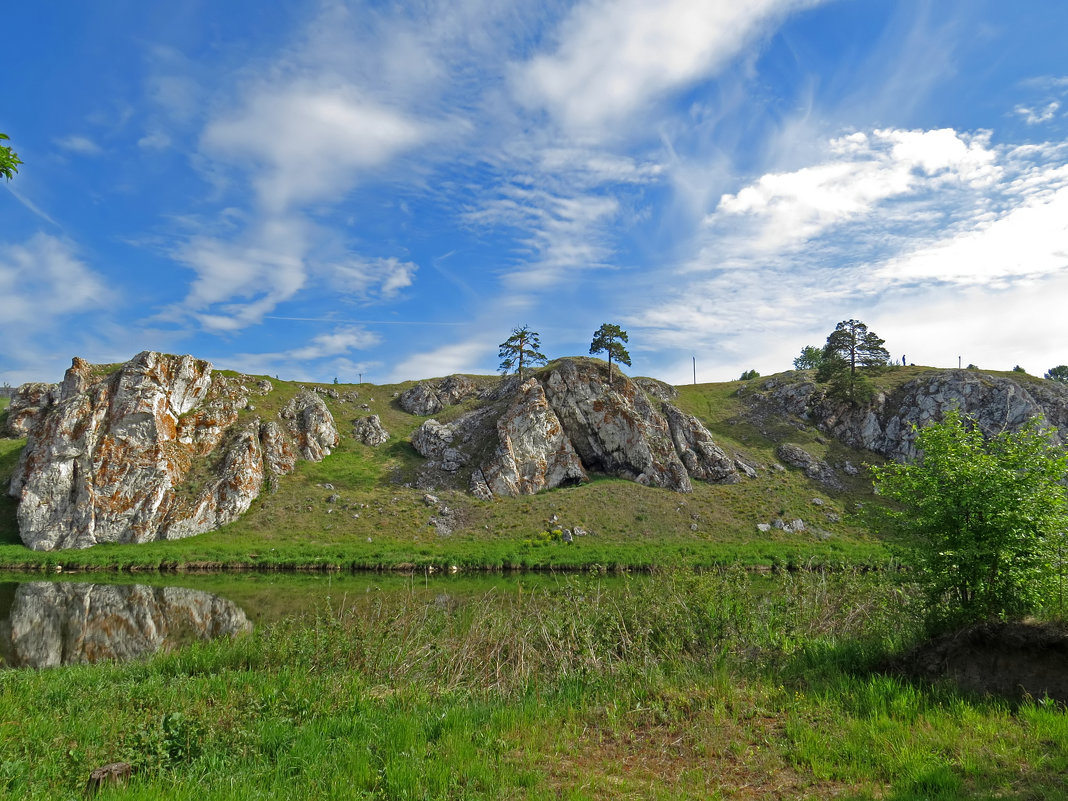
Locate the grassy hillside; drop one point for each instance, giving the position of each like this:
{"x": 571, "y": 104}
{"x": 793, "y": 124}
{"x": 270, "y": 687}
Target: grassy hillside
{"x": 380, "y": 521}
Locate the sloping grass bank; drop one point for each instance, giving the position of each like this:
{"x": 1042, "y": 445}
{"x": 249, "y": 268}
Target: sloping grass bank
{"x": 714, "y": 686}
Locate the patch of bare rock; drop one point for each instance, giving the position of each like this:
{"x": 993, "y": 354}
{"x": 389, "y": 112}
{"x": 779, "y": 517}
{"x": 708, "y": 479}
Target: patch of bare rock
{"x": 157, "y": 449}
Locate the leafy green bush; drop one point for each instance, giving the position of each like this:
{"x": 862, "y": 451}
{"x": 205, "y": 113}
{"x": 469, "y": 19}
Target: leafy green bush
{"x": 982, "y": 518}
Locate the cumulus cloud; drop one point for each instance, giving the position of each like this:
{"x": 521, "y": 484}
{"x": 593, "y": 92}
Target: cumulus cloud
{"x": 615, "y": 56}
{"x": 863, "y": 172}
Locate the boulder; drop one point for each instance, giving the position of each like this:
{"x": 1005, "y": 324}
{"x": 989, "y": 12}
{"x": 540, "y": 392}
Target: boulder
{"x": 704, "y": 460}
{"x": 369, "y": 431}
{"x": 814, "y": 468}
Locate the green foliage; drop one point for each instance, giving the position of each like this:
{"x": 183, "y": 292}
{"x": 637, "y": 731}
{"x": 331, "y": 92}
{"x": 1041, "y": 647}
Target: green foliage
{"x": 749, "y": 375}
{"x": 811, "y": 358}
{"x": 1058, "y": 373}
{"x": 609, "y": 338}
{"x": 520, "y": 349}
{"x": 1018, "y": 369}
{"x": 851, "y": 356}
{"x": 9, "y": 160}
{"x": 982, "y": 520}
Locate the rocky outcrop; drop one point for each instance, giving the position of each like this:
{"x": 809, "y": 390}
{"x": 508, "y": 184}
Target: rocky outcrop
{"x": 887, "y": 425}
{"x": 45, "y": 624}
{"x": 615, "y": 429}
{"x": 153, "y": 450}
{"x": 556, "y": 427}
{"x": 703, "y": 459}
{"x": 311, "y": 425}
{"x": 369, "y": 431}
{"x": 26, "y": 406}
{"x": 533, "y": 453}
{"x": 429, "y": 398}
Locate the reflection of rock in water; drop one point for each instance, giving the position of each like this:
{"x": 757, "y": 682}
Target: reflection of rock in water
{"x": 51, "y": 624}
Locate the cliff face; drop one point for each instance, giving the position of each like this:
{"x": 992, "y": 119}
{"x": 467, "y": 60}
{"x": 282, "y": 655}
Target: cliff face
{"x": 886, "y": 425}
{"x": 563, "y": 423}
{"x": 152, "y": 451}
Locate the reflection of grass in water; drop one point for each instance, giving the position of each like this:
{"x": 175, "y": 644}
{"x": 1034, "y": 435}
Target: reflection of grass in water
{"x": 681, "y": 687}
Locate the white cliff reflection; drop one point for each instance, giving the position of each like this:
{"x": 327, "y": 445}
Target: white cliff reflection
{"x": 44, "y": 624}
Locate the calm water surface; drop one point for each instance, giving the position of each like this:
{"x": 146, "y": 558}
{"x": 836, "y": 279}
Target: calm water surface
{"x": 82, "y": 619}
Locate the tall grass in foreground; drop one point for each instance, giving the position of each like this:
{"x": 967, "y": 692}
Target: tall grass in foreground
{"x": 718, "y": 685}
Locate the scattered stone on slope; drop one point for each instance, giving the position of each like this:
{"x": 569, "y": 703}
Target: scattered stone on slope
{"x": 814, "y": 468}
{"x": 532, "y": 453}
{"x": 369, "y": 431}
{"x": 154, "y": 450}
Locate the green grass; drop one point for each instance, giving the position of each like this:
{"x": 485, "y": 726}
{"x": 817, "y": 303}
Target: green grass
{"x": 721, "y": 685}
{"x": 381, "y": 522}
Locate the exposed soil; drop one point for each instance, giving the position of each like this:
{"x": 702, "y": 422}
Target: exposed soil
{"x": 1011, "y": 660}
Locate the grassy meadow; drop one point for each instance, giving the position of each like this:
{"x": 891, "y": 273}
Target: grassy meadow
{"x": 717, "y": 685}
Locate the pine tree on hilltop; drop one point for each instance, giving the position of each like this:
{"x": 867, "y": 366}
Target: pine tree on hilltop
{"x": 609, "y": 338}
{"x": 520, "y": 349}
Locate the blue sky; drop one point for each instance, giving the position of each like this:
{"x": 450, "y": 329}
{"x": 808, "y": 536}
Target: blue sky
{"x": 327, "y": 189}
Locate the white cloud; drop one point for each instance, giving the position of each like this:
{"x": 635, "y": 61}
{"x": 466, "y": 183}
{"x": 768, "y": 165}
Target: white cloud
{"x": 615, "y": 56}
{"x": 1029, "y": 240}
{"x": 324, "y": 356}
{"x": 934, "y": 238}
{"x": 82, "y": 145}
{"x": 306, "y": 143}
{"x": 1036, "y": 116}
{"x": 864, "y": 171}
{"x": 372, "y": 279}
{"x": 461, "y": 357}
{"x": 559, "y": 233}
{"x": 42, "y": 281}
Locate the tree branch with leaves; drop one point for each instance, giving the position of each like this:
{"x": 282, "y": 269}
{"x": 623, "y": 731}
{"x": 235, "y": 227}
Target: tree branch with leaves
{"x": 9, "y": 159}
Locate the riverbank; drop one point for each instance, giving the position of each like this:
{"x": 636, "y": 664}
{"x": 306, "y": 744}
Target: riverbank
{"x": 709, "y": 687}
